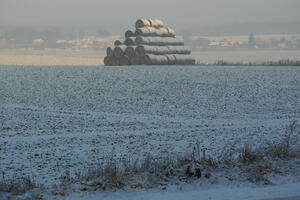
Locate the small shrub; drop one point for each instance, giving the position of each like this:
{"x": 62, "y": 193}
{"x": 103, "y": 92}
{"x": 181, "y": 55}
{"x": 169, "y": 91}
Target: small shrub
{"x": 250, "y": 155}
{"x": 258, "y": 172}
{"x": 287, "y": 147}
{"x": 17, "y": 185}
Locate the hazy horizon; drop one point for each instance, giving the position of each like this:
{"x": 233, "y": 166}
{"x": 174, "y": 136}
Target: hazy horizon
{"x": 113, "y": 12}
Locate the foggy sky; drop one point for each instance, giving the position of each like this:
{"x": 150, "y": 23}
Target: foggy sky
{"x": 106, "y": 12}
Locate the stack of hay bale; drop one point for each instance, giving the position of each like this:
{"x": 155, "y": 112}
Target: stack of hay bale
{"x": 150, "y": 44}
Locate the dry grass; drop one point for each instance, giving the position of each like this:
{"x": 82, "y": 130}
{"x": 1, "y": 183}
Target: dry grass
{"x": 254, "y": 162}
{"x": 286, "y": 147}
{"x": 17, "y": 185}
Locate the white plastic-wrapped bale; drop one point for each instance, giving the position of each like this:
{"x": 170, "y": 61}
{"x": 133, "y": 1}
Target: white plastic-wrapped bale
{"x": 129, "y": 33}
{"x": 150, "y": 31}
{"x": 159, "y": 41}
{"x": 135, "y": 60}
{"x": 119, "y": 51}
{"x": 118, "y": 42}
{"x": 124, "y": 60}
{"x": 178, "y": 50}
{"x": 108, "y": 61}
{"x": 184, "y": 59}
{"x": 130, "y": 51}
{"x": 110, "y": 51}
{"x": 142, "y": 50}
{"x": 145, "y": 31}
{"x": 130, "y": 41}
{"x": 171, "y": 59}
{"x": 115, "y": 61}
{"x": 150, "y": 59}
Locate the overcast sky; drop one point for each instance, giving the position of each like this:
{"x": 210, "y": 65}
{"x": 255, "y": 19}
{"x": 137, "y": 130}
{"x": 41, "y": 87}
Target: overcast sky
{"x": 106, "y": 12}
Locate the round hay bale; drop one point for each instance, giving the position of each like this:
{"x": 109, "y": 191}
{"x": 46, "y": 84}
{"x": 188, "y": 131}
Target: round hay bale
{"x": 119, "y": 51}
{"x": 147, "y": 59}
{"x": 109, "y": 52}
{"x": 130, "y": 41}
{"x": 115, "y": 61}
{"x": 171, "y": 32}
{"x": 161, "y": 32}
{"x": 141, "y": 50}
{"x": 184, "y": 59}
{"x": 171, "y": 59}
{"x": 130, "y": 51}
{"x": 124, "y": 60}
{"x": 159, "y": 41}
{"x": 150, "y": 59}
{"x": 135, "y": 60}
{"x": 156, "y": 23}
{"x": 118, "y": 42}
{"x": 140, "y": 23}
{"x": 146, "y": 31}
{"x": 178, "y": 50}
{"x": 163, "y": 60}
{"x": 129, "y": 33}
{"x": 108, "y": 61}
{"x": 151, "y": 31}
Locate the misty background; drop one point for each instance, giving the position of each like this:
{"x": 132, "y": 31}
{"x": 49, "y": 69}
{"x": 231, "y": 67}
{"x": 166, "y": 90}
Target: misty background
{"x": 24, "y": 22}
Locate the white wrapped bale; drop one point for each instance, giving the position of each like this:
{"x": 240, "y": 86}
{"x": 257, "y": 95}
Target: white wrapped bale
{"x": 141, "y": 50}
{"x": 119, "y": 51}
{"x": 130, "y": 41}
{"x": 130, "y": 51}
{"x": 135, "y": 60}
{"x": 118, "y": 42}
{"x": 179, "y": 50}
{"x": 124, "y": 60}
{"x": 150, "y": 31}
{"x": 115, "y": 61}
{"x": 150, "y": 59}
{"x": 110, "y": 51}
{"x": 184, "y": 59}
{"x": 108, "y": 61}
{"x": 129, "y": 33}
{"x": 171, "y": 59}
{"x": 145, "y": 31}
{"x": 159, "y": 41}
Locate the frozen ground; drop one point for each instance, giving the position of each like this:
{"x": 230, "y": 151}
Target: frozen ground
{"x": 58, "y": 119}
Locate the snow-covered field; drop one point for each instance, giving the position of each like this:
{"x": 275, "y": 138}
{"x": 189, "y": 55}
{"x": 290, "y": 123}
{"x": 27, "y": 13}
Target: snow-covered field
{"x": 59, "y": 119}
